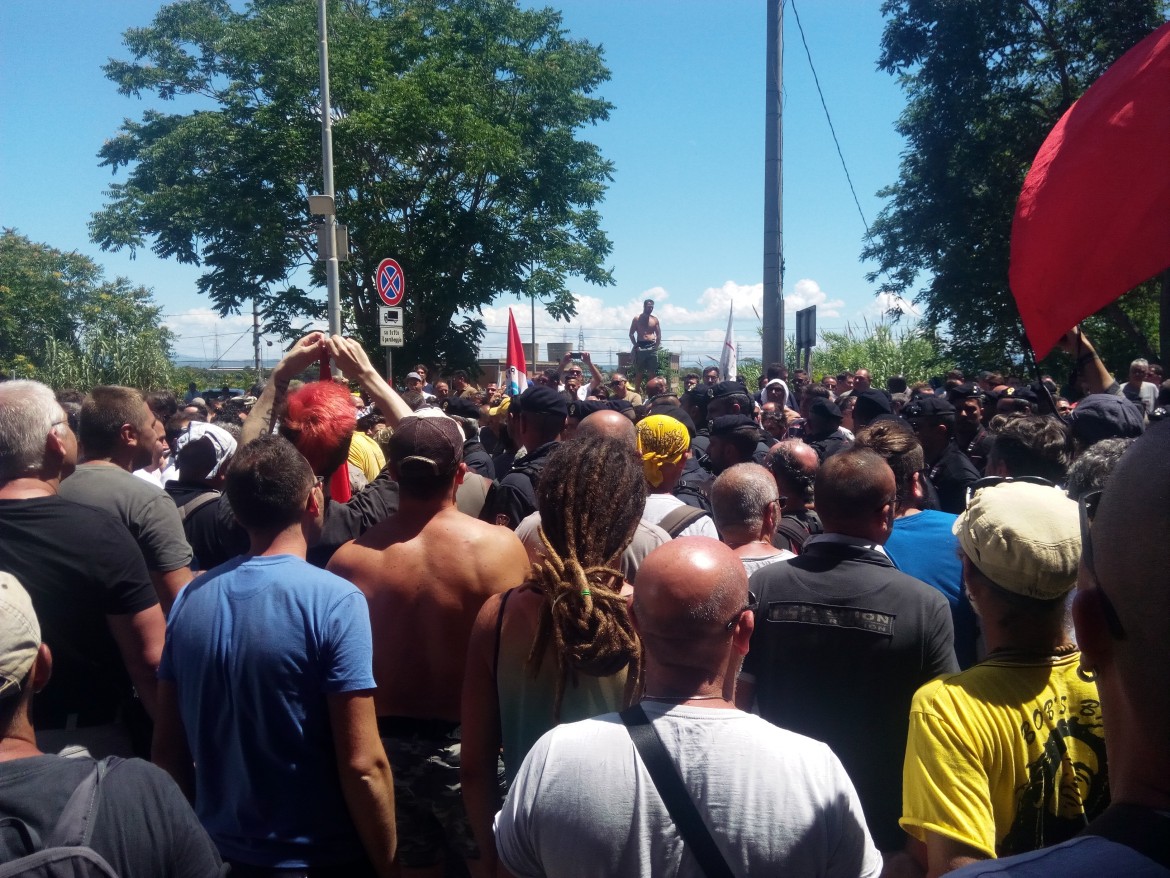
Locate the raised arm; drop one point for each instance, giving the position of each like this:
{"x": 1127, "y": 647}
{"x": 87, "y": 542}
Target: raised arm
{"x": 1089, "y": 367}
{"x": 351, "y": 359}
{"x": 270, "y": 403}
{"x": 597, "y": 378}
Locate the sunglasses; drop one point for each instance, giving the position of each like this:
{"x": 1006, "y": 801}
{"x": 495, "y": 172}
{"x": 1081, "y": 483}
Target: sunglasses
{"x": 752, "y": 603}
{"x": 573, "y": 372}
{"x": 1088, "y": 511}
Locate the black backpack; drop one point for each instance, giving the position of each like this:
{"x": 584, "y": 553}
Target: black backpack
{"x": 66, "y": 852}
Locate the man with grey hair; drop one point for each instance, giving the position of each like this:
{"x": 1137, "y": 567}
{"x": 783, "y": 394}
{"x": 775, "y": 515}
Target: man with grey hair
{"x": 747, "y": 506}
{"x": 788, "y": 809}
{"x": 1137, "y": 389}
{"x": 88, "y": 582}
{"x": 1089, "y": 471}
{"x": 118, "y": 436}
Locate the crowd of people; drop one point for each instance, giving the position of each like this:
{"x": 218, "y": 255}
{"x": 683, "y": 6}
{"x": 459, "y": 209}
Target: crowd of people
{"x": 834, "y": 625}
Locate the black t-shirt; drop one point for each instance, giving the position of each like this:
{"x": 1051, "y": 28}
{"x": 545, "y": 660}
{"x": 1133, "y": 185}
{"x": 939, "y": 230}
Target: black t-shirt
{"x": 950, "y": 475}
{"x": 842, "y": 641}
{"x": 144, "y": 827}
{"x": 79, "y": 565}
{"x": 214, "y": 536}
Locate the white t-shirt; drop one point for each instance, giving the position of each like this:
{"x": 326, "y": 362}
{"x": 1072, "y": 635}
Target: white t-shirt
{"x": 658, "y": 506}
{"x": 751, "y": 565}
{"x": 776, "y": 803}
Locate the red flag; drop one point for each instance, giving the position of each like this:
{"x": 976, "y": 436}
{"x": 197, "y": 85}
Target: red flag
{"x": 1093, "y": 219}
{"x": 517, "y": 365}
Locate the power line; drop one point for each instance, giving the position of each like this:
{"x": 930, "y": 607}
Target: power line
{"x": 828, "y": 118}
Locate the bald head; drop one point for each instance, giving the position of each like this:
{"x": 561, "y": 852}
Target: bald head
{"x": 740, "y": 499}
{"x": 687, "y": 591}
{"x": 611, "y": 424}
{"x": 794, "y": 466}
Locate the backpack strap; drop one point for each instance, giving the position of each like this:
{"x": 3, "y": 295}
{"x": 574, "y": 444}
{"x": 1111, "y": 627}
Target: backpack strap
{"x": 678, "y": 520}
{"x": 74, "y": 827}
{"x": 191, "y": 506}
{"x": 674, "y": 795}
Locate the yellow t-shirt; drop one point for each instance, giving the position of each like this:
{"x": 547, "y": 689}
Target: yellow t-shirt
{"x": 1006, "y": 757}
{"x": 366, "y": 454}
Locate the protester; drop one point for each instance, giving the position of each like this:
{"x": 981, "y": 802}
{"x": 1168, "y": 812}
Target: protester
{"x": 922, "y": 543}
{"x": 425, "y": 572}
{"x": 794, "y": 467}
{"x": 1032, "y": 446}
{"x": 845, "y": 639}
{"x": 214, "y": 535}
{"x": 1121, "y": 613}
{"x": 539, "y": 422}
{"x": 560, "y": 648}
{"x": 788, "y": 809}
{"x": 647, "y": 536}
{"x": 747, "y": 508}
{"x": 646, "y": 338}
{"x": 1009, "y": 756}
{"x": 132, "y": 815}
{"x": 664, "y": 445}
{"x": 118, "y": 436}
{"x": 266, "y": 703}
{"x": 88, "y": 581}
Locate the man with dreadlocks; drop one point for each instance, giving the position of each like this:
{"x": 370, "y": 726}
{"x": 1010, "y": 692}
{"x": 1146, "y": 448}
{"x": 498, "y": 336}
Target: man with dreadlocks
{"x": 774, "y": 802}
{"x": 560, "y": 648}
{"x": 425, "y": 572}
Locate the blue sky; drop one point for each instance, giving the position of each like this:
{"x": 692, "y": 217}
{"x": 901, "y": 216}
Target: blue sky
{"x": 685, "y": 209}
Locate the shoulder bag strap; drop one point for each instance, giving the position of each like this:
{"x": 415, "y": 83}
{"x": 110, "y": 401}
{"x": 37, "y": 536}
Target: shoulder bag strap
{"x": 678, "y": 520}
{"x": 674, "y": 793}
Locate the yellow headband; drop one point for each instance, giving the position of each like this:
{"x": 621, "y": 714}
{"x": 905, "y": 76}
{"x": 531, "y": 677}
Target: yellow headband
{"x": 661, "y": 440}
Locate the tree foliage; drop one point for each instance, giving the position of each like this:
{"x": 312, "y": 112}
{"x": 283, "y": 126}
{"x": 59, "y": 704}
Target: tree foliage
{"x": 456, "y": 151}
{"x": 914, "y": 352}
{"x": 984, "y": 82}
{"x": 63, "y": 324}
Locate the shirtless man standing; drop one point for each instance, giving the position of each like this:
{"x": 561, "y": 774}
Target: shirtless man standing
{"x": 646, "y": 337}
{"x": 425, "y": 572}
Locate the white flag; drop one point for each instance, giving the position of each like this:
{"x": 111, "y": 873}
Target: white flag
{"x": 727, "y": 364}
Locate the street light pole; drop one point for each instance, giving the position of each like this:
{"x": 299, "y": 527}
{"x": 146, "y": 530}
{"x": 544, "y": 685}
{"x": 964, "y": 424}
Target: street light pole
{"x": 332, "y": 272}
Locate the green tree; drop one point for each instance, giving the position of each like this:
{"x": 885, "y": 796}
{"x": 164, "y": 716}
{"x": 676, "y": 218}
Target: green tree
{"x": 62, "y": 323}
{"x": 456, "y": 152}
{"x": 914, "y": 352}
{"x": 985, "y": 82}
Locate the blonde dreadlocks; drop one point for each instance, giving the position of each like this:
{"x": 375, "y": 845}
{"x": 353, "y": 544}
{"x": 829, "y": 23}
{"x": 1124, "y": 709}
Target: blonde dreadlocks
{"x": 591, "y": 494}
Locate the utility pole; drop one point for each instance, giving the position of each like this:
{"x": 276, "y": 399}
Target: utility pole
{"x": 332, "y": 272}
{"x": 256, "y": 338}
{"x": 774, "y": 190}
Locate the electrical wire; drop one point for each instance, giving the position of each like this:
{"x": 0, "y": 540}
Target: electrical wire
{"x": 828, "y": 118}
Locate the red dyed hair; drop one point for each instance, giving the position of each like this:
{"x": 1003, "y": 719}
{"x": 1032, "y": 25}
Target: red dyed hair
{"x": 319, "y": 420}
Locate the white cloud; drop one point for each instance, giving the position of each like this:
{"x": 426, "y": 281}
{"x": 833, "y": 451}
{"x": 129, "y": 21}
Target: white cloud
{"x": 696, "y": 329}
{"x": 883, "y": 303}
{"x": 202, "y": 333}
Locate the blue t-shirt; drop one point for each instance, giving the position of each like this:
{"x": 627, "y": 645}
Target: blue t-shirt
{"x": 1086, "y": 856}
{"x": 253, "y": 647}
{"x": 923, "y": 546}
